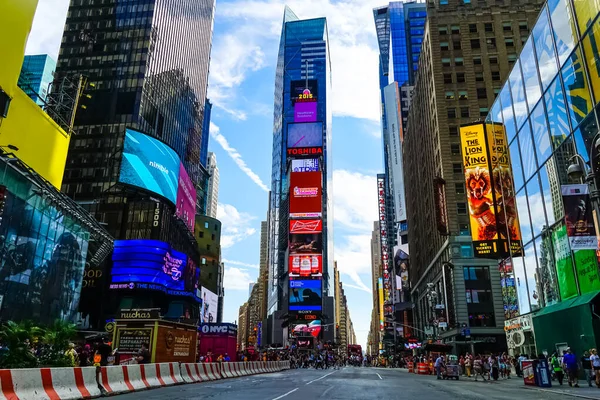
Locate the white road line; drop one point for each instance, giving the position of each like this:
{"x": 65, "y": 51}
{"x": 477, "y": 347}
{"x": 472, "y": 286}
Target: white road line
{"x": 379, "y": 376}
{"x": 318, "y": 379}
{"x": 283, "y": 395}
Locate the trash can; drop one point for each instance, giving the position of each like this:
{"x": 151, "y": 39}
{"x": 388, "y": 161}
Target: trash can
{"x": 528, "y": 372}
{"x": 543, "y": 376}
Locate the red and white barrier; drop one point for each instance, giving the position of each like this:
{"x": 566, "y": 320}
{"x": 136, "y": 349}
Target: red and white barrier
{"x": 228, "y": 370}
{"x": 211, "y": 370}
{"x": 129, "y": 378}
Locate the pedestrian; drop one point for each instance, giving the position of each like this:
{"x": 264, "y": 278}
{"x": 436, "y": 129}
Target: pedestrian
{"x": 570, "y": 362}
{"x": 439, "y": 364}
{"x": 468, "y": 365}
{"x": 557, "y": 368}
{"x": 143, "y": 356}
{"x": 595, "y": 360}
{"x": 84, "y": 356}
{"x": 104, "y": 350}
{"x": 72, "y": 355}
{"x": 226, "y": 358}
{"x": 586, "y": 364}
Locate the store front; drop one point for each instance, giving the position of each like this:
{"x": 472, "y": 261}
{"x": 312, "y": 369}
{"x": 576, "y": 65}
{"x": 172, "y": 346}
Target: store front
{"x": 520, "y": 337}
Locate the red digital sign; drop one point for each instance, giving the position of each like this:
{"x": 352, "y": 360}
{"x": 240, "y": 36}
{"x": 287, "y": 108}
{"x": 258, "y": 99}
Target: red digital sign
{"x": 306, "y": 196}
{"x": 306, "y": 265}
{"x": 306, "y": 226}
{"x": 302, "y": 152}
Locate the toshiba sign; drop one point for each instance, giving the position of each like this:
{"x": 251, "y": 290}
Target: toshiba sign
{"x": 299, "y": 152}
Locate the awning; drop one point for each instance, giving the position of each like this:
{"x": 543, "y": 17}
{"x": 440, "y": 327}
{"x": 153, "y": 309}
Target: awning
{"x": 563, "y": 305}
{"x": 584, "y": 299}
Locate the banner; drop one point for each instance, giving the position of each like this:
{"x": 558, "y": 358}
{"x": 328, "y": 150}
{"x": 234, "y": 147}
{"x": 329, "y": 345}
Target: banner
{"x": 564, "y": 263}
{"x": 586, "y": 265}
{"x": 380, "y": 292}
{"x": 578, "y": 217}
{"x": 383, "y": 236}
{"x": 441, "y": 212}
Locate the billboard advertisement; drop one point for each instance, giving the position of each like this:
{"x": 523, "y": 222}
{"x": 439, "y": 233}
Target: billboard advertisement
{"x": 305, "y": 295}
{"x": 306, "y": 243}
{"x": 150, "y": 164}
{"x": 153, "y": 265}
{"x": 306, "y": 265}
{"x": 578, "y": 217}
{"x": 306, "y": 198}
{"x": 394, "y": 146}
{"x": 401, "y": 264}
{"x": 305, "y": 165}
{"x": 306, "y": 226}
{"x": 210, "y": 305}
{"x": 564, "y": 263}
{"x": 383, "y": 237}
{"x": 380, "y": 294}
{"x": 305, "y": 111}
{"x": 304, "y": 152}
{"x": 186, "y": 199}
{"x": 303, "y": 328}
{"x": 304, "y": 91}
{"x": 309, "y": 134}
{"x": 441, "y": 211}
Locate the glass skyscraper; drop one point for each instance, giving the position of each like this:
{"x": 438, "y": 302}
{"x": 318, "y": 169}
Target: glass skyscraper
{"x": 36, "y": 76}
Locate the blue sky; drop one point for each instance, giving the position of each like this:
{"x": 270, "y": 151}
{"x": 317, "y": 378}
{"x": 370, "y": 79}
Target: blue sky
{"x": 245, "y": 45}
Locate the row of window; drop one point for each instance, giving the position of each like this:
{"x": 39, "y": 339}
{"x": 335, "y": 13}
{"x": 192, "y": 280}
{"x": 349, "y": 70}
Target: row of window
{"x": 476, "y": 43}
{"x": 465, "y": 112}
{"x": 487, "y": 27}
{"x": 464, "y": 95}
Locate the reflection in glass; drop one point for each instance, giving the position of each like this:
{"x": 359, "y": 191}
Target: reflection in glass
{"x": 584, "y": 135}
{"x": 518, "y": 94}
{"x": 544, "y": 46}
{"x": 586, "y": 12}
{"x": 507, "y": 113}
{"x": 527, "y": 152}
{"x": 530, "y": 74}
{"x": 509, "y": 291}
{"x": 536, "y": 206}
{"x": 547, "y": 279}
{"x": 549, "y": 178}
{"x": 523, "y": 210}
{"x": 592, "y": 56}
{"x": 531, "y": 272}
{"x": 564, "y": 28}
{"x": 521, "y": 283}
{"x": 579, "y": 103}
{"x": 539, "y": 128}
{"x": 515, "y": 160}
{"x": 557, "y": 113}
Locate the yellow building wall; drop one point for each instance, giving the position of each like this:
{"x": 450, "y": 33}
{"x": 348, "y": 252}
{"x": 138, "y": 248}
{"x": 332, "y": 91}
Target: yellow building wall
{"x": 42, "y": 144}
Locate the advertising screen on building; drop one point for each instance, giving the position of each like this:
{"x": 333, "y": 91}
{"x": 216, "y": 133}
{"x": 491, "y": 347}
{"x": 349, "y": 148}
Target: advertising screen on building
{"x": 305, "y": 111}
{"x": 210, "y": 304}
{"x": 306, "y": 226}
{"x": 578, "y": 217}
{"x": 304, "y": 91}
{"x": 186, "y": 199}
{"x": 150, "y": 164}
{"x": 305, "y": 165}
{"x": 308, "y": 134}
{"x": 385, "y": 251}
{"x": 306, "y": 265}
{"x": 305, "y": 295}
{"x": 380, "y": 296}
{"x": 302, "y": 328}
{"x": 306, "y": 198}
{"x": 306, "y": 243}
{"x": 305, "y": 315}
{"x": 152, "y": 265}
{"x": 304, "y": 152}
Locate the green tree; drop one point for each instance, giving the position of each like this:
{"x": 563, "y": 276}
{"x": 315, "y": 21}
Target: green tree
{"x": 55, "y": 342}
{"x": 17, "y": 338}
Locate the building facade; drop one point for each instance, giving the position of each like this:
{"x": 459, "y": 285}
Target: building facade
{"x": 547, "y": 112}
{"x": 468, "y": 50}
{"x": 243, "y": 323}
{"x": 301, "y": 182}
{"x": 36, "y": 76}
{"x": 212, "y": 199}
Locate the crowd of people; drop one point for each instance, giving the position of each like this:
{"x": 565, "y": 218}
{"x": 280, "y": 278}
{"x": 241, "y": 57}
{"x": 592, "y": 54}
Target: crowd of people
{"x": 568, "y": 364}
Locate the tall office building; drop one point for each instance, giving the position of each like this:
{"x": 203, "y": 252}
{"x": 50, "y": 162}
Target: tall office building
{"x": 467, "y": 52}
{"x": 301, "y": 179}
{"x": 138, "y": 160}
{"x": 36, "y": 76}
{"x": 212, "y": 199}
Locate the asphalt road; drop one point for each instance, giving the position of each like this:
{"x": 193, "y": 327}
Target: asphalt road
{"x": 349, "y": 383}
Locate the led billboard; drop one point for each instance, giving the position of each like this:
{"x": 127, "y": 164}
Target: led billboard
{"x": 304, "y": 91}
{"x": 304, "y": 152}
{"x": 306, "y": 265}
{"x": 305, "y": 165}
{"x": 312, "y": 328}
{"x": 305, "y": 111}
{"x": 186, "y": 199}
{"x": 306, "y": 226}
{"x": 210, "y": 304}
{"x": 305, "y": 295}
{"x": 306, "y": 243}
{"x": 305, "y": 194}
{"x": 308, "y": 134}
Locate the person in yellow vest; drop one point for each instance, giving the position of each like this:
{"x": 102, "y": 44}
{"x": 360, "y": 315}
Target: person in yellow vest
{"x": 220, "y": 358}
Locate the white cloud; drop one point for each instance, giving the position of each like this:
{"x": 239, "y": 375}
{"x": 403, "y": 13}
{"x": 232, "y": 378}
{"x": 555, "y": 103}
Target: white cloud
{"x": 363, "y": 288}
{"x": 353, "y": 256}
{"x": 236, "y": 279}
{"x": 240, "y": 263}
{"x": 236, "y": 156}
{"x": 48, "y": 26}
{"x": 236, "y": 225}
{"x": 354, "y": 200}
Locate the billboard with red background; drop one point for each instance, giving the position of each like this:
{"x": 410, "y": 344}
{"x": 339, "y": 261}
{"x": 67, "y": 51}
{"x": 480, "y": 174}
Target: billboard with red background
{"x": 306, "y": 226}
{"x": 305, "y": 266}
{"x": 305, "y": 194}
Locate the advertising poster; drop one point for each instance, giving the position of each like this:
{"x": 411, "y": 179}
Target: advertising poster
{"x": 586, "y": 264}
{"x": 385, "y": 251}
{"x": 306, "y": 265}
{"x": 578, "y": 217}
{"x": 305, "y": 165}
{"x": 564, "y": 263}
{"x": 304, "y": 152}
{"x": 149, "y": 164}
{"x": 308, "y": 134}
{"x": 304, "y": 91}
{"x": 441, "y": 211}
{"x": 306, "y": 226}
{"x": 507, "y": 218}
{"x": 380, "y": 293}
{"x": 186, "y": 199}
{"x": 306, "y": 243}
{"x": 306, "y": 199}
{"x": 509, "y": 290}
{"x": 131, "y": 340}
{"x": 312, "y": 328}
{"x": 210, "y": 305}
{"x": 176, "y": 345}
{"x": 305, "y": 111}
{"x": 305, "y": 295}
{"x": 401, "y": 264}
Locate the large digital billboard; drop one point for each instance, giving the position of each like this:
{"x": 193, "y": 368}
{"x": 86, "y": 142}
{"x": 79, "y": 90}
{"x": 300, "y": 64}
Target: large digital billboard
{"x": 304, "y": 152}
{"x": 186, "y": 199}
{"x": 305, "y": 295}
{"x": 305, "y": 111}
{"x": 305, "y": 165}
{"x": 309, "y": 134}
{"x": 304, "y": 91}
{"x": 150, "y": 164}
{"x": 306, "y": 243}
{"x": 305, "y": 194}
{"x": 306, "y": 226}
{"x": 306, "y": 265}
{"x": 153, "y": 265}
{"x": 210, "y": 304}
{"x": 303, "y": 328}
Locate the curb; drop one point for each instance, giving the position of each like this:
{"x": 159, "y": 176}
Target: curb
{"x": 581, "y": 396}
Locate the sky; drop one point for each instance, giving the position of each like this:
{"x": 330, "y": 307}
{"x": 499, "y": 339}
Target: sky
{"x": 241, "y": 88}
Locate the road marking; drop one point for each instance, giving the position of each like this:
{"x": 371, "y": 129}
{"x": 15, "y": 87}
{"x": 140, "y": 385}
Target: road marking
{"x": 379, "y": 376}
{"x": 318, "y": 379}
{"x": 283, "y": 395}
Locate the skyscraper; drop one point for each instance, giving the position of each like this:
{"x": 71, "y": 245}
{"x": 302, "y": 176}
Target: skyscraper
{"x": 212, "y": 199}
{"x": 36, "y": 76}
{"x": 301, "y": 178}
{"x": 137, "y": 161}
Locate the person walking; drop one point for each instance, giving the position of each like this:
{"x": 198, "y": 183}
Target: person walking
{"x": 557, "y": 368}
{"x": 468, "y": 365}
{"x": 595, "y": 360}
{"x": 439, "y": 363}
{"x": 570, "y": 362}
{"x": 586, "y": 364}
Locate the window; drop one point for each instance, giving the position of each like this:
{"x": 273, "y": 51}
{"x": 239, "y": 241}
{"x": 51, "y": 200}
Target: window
{"x": 464, "y": 112}
{"x": 507, "y": 26}
{"x": 461, "y": 208}
{"x": 509, "y": 42}
{"x": 455, "y": 149}
{"x": 479, "y": 296}
{"x": 481, "y": 320}
{"x": 491, "y": 43}
{"x": 459, "y": 187}
{"x": 443, "y": 30}
{"x": 463, "y": 229}
{"x": 457, "y": 168}
{"x": 496, "y": 92}
{"x": 494, "y": 60}
{"x": 212, "y": 236}
{"x": 463, "y": 95}
{"x": 479, "y": 76}
{"x": 467, "y": 1}
{"x": 451, "y": 112}
{"x": 206, "y": 225}
{"x": 488, "y": 27}
{"x": 447, "y": 78}
{"x": 453, "y": 130}
{"x": 201, "y": 234}
{"x": 473, "y": 28}
{"x": 208, "y": 247}
{"x": 444, "y": 46}
{"x": 512, "y": 58}
{"x": 495, "y": 75}
{"x": 481, "y": 93}
{"x": 475, "y": 44}
{"x": 446, "y": 62}
{"x": 483, "y": 111}
{"x": 455, "y": 29}
{"x": 456, "y": 45}
{"x": 459, "y": 61}
{"x": 477, "y": 60}
{"x": 449, "y": 95}
{"x": 460, "y": 77}
{"x": 476, "y": 274}
{"x": 523, "y": 26}
{"x": 444, "y": 2}
{"x": 203, "y": 261}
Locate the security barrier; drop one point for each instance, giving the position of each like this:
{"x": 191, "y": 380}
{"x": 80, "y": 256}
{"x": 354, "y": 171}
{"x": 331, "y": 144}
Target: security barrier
{"x": 422, "y": 369}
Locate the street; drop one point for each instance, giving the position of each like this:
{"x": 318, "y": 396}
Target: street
{"x": 350, "y": 383}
